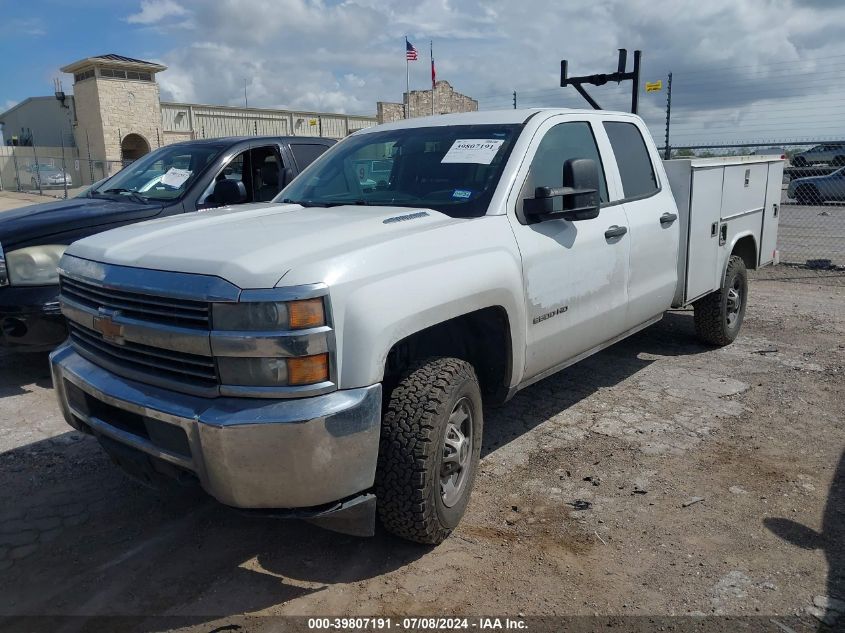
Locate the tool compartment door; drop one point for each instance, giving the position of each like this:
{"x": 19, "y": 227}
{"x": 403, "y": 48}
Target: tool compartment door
{"x": 703, "y": 250}
{"x": 744, "y": 189}
{"x": 771, "y": 214}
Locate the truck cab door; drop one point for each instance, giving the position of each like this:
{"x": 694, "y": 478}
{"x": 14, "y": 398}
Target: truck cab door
{"x": 653, "y": 222}
{"x": 575, "y": 273}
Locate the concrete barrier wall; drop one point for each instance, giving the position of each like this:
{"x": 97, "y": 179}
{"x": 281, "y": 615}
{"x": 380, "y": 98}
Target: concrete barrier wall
{"x": 205, "y": 121}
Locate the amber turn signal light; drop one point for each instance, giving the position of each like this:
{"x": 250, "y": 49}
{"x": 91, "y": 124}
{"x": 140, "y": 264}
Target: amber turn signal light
{"x": 306, "y": 313}
{"x": 307, "y": 370}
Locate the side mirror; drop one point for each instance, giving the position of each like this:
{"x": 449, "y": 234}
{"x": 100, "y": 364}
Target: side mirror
{"x": 580, "y": 193}
{"x": 228, "y": 192}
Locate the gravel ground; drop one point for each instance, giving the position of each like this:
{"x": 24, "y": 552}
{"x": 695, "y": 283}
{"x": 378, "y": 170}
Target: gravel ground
{"x": 811, "y": 232}
{"x": 659, "y": 477}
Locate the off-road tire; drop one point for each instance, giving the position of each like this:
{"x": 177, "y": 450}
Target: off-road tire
{"x": 711, "y": 311}
{"x": 408, "y": 483}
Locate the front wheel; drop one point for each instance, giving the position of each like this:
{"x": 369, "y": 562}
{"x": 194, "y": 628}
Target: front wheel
{"x": 429, "y": 450}
{"x": 719, "y": 315}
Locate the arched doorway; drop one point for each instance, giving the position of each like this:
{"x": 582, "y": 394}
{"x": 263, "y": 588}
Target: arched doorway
{"x": 132, "y": 147}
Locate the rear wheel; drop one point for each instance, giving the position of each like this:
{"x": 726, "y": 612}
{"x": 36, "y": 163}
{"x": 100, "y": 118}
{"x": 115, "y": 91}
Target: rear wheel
{"x": 429, "y": 450}
{"x": 719, "y": 315}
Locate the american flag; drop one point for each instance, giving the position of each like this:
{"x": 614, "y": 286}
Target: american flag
{"x": 410, "y": 52}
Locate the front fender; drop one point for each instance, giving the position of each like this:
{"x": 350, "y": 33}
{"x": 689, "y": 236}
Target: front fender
{"x": 383, "y": 311}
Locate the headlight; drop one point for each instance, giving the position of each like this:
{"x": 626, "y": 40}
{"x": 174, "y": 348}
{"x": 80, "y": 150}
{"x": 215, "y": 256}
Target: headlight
{"x": 34, "y": 265}
{"x": 273, "y": 372}
{"x": 265, "y": 316}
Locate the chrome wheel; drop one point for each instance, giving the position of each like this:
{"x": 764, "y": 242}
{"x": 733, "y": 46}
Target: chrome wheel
{"x": 734, "y": 301}
{"x": 457, "y": 453}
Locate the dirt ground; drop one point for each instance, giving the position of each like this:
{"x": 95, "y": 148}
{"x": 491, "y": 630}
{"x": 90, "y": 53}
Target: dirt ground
{"x": 659, "y": 477}
{"x": 15, "y": 199}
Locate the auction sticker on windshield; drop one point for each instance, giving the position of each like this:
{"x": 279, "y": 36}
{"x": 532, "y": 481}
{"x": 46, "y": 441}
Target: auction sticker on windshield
{"x": 473, "y": 150}
{"x": 175, "y": 177}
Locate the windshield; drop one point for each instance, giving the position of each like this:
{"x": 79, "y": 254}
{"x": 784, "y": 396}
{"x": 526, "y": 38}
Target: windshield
{"x": 164, "y": 174}
{"x": 452, "y": 169}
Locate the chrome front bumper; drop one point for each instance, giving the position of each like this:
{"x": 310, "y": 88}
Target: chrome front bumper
{"x": 246, "y": 452}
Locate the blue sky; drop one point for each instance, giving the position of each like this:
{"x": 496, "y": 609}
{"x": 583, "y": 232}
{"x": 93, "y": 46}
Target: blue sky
{"x": 743, "y": 69}
{"x": 43, "y": 35}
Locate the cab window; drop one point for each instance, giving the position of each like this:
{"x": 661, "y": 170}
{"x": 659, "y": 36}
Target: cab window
{"x": 307, "y": 153}
{"x": 635, "y": 168}
{"x": 563, "y": 142}
{"x": 258, "y": 172}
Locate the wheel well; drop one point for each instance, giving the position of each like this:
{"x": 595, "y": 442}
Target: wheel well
{"x": 747, "y": 249}
{"x": 482, "y": 338}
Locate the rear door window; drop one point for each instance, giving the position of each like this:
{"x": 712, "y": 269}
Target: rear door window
{"x": 635, "y": 168}
{"x": 306, "y": 153}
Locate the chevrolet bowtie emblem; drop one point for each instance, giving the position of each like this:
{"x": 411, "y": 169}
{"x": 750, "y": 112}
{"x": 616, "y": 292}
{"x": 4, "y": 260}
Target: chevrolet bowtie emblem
{"x": 110, "y": 330}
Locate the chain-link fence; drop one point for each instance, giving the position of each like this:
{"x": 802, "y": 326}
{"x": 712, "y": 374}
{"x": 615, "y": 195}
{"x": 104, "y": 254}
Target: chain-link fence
{"x": 62, "y": 172}
{"x": 812, "y": 218}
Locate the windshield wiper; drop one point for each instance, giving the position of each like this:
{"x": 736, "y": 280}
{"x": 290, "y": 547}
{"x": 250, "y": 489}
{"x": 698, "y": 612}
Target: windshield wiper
{"x": 326, "y": 205}
{"x": 362, "y": 203}
{"x": 303, "y": 203}
{"x": 132, "y": 194}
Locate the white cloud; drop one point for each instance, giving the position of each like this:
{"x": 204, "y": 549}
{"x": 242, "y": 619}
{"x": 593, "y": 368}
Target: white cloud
{"x": 345, "y": 55}
{"x": 33, "y": 27}
{"x": 154, "y": 12}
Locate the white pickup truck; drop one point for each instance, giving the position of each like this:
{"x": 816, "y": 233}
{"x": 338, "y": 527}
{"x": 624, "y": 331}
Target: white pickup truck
{"x": 328, "y": 355}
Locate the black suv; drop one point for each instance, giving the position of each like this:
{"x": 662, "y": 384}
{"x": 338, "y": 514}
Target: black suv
{"x": 177, "y": 178}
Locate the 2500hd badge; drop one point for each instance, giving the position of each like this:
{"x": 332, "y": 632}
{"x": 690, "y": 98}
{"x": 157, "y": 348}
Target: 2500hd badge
{"x": 549, "y": 315}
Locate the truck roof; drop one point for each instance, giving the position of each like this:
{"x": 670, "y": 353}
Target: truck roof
{"x": 493, "y": 117}
{"x": 238, "y": 139}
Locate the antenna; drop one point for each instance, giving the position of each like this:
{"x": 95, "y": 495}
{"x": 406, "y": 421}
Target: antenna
{"x": 59, "y": 91}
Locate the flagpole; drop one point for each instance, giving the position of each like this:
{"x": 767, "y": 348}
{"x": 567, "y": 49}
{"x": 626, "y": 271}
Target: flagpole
{"x": 407, "y": 83}
{"x": 431, "y": 49}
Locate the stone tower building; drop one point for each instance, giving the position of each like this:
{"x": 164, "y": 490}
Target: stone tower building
{"x": 444, "y": 99}
{"x": 117, "y": 109}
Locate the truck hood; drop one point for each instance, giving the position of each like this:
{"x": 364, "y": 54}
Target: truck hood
{"x": 254, "y": 246}
{"x": 39, "y": 223}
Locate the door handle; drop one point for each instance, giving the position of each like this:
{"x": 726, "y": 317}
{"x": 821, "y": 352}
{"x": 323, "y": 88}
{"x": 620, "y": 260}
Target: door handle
{"x": 667, "y": 218}
{"x": 615, "y": 231}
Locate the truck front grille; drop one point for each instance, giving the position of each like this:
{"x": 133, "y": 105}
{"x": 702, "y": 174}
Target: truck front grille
{"x": 153, "y": 309}
{"x": 193, "y": 373}
{"x": 155, "y": 327}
